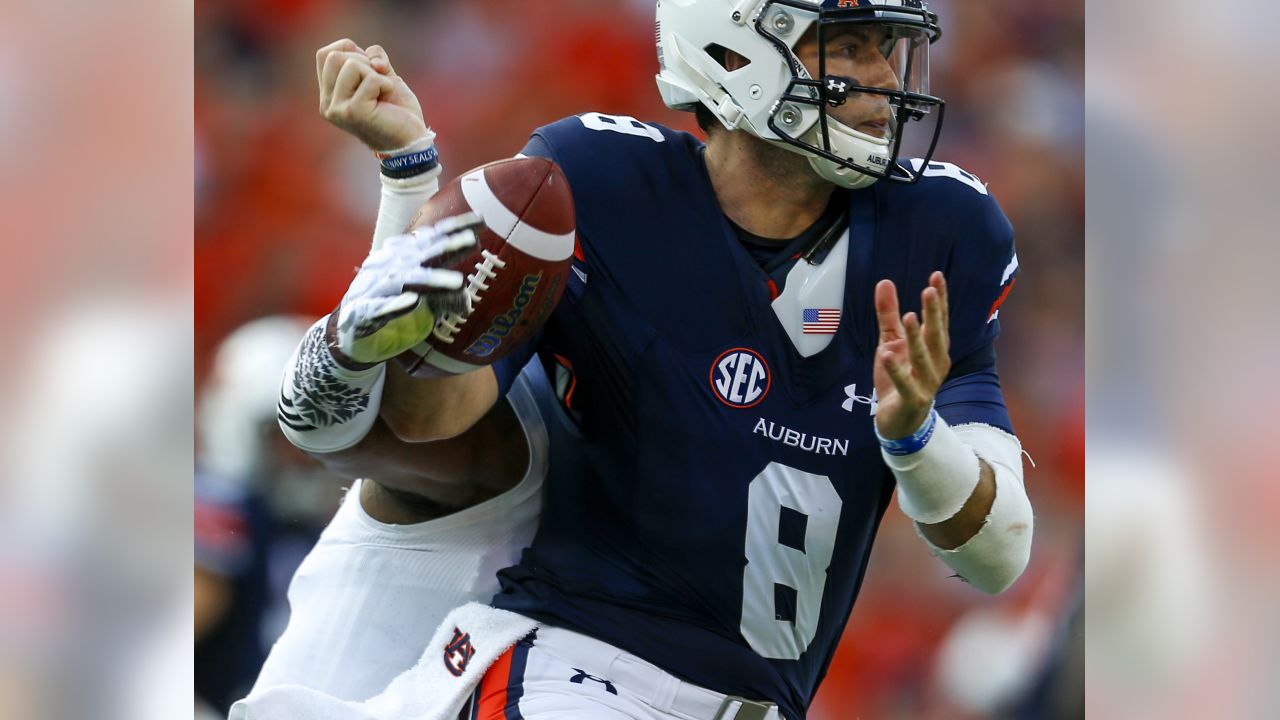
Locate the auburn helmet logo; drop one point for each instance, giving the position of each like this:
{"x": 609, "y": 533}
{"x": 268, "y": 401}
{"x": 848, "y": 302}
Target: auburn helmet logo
{"x": 457, "y": 654}
{"x": 740, "y": 378}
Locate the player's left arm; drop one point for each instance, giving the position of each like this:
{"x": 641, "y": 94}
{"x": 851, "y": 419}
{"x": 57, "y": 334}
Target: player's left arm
{"x": 962, "y": 486}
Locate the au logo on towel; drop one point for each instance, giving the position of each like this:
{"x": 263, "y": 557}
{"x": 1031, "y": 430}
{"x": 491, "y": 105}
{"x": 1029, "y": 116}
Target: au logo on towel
{"x": 457, "y": 654}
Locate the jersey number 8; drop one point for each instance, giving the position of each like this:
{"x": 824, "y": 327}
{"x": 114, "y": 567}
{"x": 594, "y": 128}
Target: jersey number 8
{"x": 624, "y": 124}
{"x": 792, "y": 519}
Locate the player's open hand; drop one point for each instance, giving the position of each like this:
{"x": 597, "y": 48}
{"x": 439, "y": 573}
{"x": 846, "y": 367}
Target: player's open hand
{"x": 912, "y": 358}
{"x": 362, "y": 94}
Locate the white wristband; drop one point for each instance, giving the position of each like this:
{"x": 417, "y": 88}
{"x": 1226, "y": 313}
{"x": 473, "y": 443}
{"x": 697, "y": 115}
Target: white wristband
{"x": 935, "y": 481}
{"x": 325, "y": 407}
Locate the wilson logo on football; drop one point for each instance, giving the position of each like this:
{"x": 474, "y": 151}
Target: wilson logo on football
{"x": 504, "y": 323}
{"x": 740, "y": 378}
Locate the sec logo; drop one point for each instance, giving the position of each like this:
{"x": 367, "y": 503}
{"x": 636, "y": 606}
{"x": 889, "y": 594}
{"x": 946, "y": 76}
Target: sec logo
{"x": 740, "y": 378}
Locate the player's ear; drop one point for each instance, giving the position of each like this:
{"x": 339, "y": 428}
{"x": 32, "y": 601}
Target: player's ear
{"x": 733, "y": 61}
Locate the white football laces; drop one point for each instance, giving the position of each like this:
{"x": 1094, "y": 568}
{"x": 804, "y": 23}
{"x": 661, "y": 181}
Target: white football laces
{"x": 486, "y": 269}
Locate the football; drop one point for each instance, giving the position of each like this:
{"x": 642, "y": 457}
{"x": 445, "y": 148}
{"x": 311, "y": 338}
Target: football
{"x": 515, "y": 273}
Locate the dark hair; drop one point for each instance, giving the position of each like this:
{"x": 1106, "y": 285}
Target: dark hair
{"x": 706, "y": 120}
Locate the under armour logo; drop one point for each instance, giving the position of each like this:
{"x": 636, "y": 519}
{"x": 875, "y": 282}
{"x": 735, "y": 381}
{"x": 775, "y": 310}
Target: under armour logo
{"x": 854, "y": 397}
{"x": 583, "y": 675}
{"x": 457, "y": 654}
{"x": 837, "y": 89}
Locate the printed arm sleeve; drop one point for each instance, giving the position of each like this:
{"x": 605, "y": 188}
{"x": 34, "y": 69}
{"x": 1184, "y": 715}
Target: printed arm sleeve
{"x": 326, "y": 406}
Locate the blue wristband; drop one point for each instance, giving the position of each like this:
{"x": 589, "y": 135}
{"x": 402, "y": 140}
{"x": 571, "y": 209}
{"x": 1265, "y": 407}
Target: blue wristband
{"x": 912, "y": 443}
{"x": 410, "y": 164}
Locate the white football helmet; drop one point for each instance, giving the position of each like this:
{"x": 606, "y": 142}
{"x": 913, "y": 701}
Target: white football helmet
{"x": 241, "y": 446}
{"x": 242, "y": 393}
{"x": 776, "y": 99}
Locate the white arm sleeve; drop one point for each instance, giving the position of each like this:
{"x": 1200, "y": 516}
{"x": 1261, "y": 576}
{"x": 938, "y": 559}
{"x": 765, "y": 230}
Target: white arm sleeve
{"x": 996, "y": 556}
{"x": 401, "y": 201}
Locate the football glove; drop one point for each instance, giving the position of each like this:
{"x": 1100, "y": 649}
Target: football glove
{"x": 401, "y": 289}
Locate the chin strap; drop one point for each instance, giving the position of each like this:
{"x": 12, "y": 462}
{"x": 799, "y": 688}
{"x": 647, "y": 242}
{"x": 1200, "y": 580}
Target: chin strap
{"x": 822, "y": 244}
{"x": 728, "y": 111}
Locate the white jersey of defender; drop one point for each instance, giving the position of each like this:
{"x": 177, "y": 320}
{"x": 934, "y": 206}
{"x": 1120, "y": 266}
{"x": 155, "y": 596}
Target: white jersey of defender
{"x": 366, "y": 600}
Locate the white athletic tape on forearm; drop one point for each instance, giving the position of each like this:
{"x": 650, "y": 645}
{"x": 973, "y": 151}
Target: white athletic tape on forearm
{"x": 936, "y": 481}
{"x": 994, "y": 557}
{"x": 401, "y": 201}
{"x": 325, "y": 407}
{"x": 997, "y": 447}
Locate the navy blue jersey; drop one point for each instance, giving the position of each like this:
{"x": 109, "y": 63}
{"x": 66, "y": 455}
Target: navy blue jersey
{"x": 713, "y": 494}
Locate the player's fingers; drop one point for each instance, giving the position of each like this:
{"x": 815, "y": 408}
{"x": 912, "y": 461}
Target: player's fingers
{"x": 371, "y": 87}
{"x": 349, "y": 80}
{"x": 328, "y": 76}
{"x": 935, "y": 325}
{"x": 343, "y": 45}
{"x": 460, "y": 240}
{"x": 887, "y": 311}
{"x": 428, "y": 279}
{"x": 333, "y": 66}
{"x": 401, "y": 304}
{"x": 938, "y": 282}
{"x": 921, "y": 361}
{"x": 899, "y": 372}
{"x": 470, "y": 220}
{"x": 380, "y": 60}
{"x": 448, "y": 302}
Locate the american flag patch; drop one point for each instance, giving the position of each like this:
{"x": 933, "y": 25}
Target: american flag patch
{"x": 821, "y": 321}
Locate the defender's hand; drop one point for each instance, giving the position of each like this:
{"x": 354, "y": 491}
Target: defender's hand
{"x": 394, "y": 300}
{"x": 912, "y": 359}
{"x": 362, "y": 94}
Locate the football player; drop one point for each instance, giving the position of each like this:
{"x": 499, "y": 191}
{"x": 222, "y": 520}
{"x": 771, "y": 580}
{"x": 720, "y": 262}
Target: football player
{"x": 764, "y": 336}
{"x": 424, "y": 530}
{"x": 426, "y": 526}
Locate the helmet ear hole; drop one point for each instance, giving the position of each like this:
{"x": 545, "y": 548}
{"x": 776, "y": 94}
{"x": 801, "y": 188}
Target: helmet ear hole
{"x": 726, "y": 58}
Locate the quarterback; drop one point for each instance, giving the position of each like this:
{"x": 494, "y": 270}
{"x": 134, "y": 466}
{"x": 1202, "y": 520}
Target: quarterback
{"x": 764, "y": 336}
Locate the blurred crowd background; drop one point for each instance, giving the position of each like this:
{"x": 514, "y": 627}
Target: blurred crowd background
{"x": 284, "y": 209}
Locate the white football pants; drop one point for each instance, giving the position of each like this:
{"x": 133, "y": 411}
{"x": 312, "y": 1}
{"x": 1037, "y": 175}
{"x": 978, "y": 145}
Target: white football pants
{"x": 557, "y": 674}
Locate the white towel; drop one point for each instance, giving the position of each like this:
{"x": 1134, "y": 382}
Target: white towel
{"x": 469, "y": 640}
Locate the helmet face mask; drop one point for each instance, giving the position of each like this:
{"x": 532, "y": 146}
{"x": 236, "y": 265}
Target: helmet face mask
{"x": 777, "y": 98}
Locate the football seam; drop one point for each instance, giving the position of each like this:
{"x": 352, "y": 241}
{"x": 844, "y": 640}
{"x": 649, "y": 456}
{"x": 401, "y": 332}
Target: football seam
{"x": 542, "y": 183}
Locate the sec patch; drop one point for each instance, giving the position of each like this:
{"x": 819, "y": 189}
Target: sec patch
{"x": 740, "y": 377}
